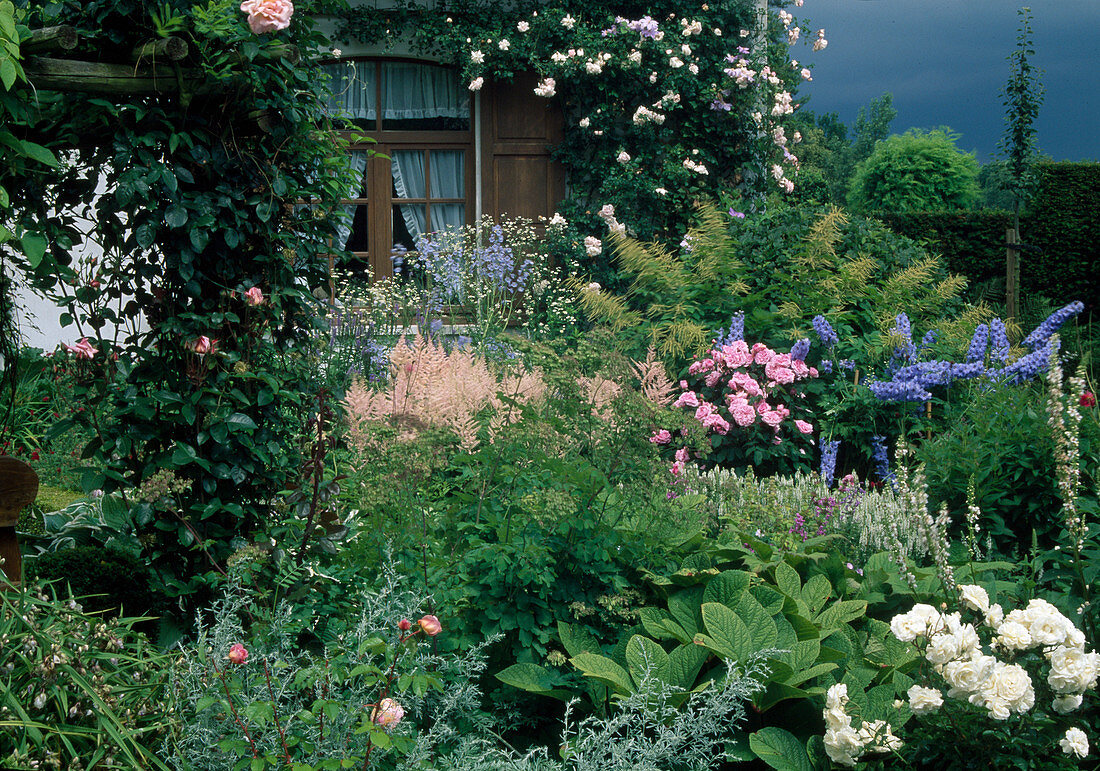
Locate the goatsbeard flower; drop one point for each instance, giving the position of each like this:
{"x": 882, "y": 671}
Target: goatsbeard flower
{"x": 268, "y": 15}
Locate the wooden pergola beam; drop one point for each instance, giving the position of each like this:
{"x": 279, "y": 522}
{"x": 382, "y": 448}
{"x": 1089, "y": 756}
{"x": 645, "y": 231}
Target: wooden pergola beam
{"x": 97, "y": 78}
{"x": 171, "y": 48}
{"x": 62, "y": 38}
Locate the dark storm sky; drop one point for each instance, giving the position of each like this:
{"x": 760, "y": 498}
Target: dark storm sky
{"x": 944, "y": 61}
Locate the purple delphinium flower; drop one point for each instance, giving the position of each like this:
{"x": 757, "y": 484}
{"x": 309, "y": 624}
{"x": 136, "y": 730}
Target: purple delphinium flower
{"x": 998, "y": 338}
{"x": 825, "y": 332}
{"x": 881, "y": 456}
{"x": 904, "y": 331}
{"x": 929, "y": 339}
{"x": 1039, "y": 336}
{"x": 826, "y": 367}
{"x": 734, "y": 333}
{"x": 829, "y": 451}
{"x": 899, "y": 391}
{"x": 979, "y": 344}
{"x": 1027, "y": 366}
{"x": 800, "y": 349}
{"x": 737, "y": 215}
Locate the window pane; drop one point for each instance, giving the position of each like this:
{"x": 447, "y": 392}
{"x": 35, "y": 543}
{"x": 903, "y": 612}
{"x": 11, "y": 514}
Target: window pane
{"x": 359, "y": 239}
{"x": 409, "y": 221}
{"x": 448, "y": 215}
{"x": 407, "y": 167}
{"x": 354, "y": 91}
{"x": 447, "y": 173}
{"x": 423, "y": 97}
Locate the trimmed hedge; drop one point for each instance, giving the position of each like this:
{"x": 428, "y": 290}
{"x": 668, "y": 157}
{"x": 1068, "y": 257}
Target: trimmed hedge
{"x": 1064, "y": 222}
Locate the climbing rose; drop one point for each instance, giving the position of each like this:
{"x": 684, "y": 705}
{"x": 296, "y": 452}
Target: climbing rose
{"x": 204, "y": 345}
{"x": 82, "y": 350}
{"x": 254, "y": 296}
{"x": 238, "y": 654}
{"x": 268, "y": 15}
{"x": 431, "y": 626}
{"x": 387, "y": 714}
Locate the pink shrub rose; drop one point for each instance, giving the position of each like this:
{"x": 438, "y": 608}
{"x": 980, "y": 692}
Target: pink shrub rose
{"x": 204, "y": 345}
{"x": 743, "y": 415}
{"x": 661, "y": 437}
{"x": 804, "y": 427}
{"x": 682, "y": 455}
{"x": 687, "y": 399}
{"x": 387, "y": 714}
{"x": 254, "y": 296}
{"x": 238, "y": 654}
{"x": 268, "y": 15}
{"x": 772, "y": 418}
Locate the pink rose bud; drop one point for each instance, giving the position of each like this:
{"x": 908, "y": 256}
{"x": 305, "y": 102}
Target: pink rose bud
{"x": 387, "y": 714}
{"x": 204, "y": 345}
{"x": 431, "y": 626}
{"x": 404, "y": 625}
{"x": 238, "y": 654}
{"x": 254, "y": 296}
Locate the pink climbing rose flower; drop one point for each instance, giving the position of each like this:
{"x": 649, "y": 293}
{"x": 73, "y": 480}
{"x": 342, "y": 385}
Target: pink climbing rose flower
{"x": 661, "y": 437}
{"x": 431, "y": 626}
{"x": 387, "y": 714}
{"x": 82, "y": 350}
{"x": 804, "y": 427}
{"x": 254, "y": 296}
{"x": 238, "y": 654}
{"x": 204, "y": 345}
{"x": 268, "y": 15}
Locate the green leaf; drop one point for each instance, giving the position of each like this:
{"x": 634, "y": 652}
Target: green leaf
{"x": 176, "y": 216}
{"x": 644, "y": 655}
{"x": 761, "y": 626}
{"x": 728, "y": 635}
{"x": 684, "y": 664}
{"x": 577, "y": 640}
{"x": 240, "y": 420}
{"x": 39, "y": 153}
{"x": 816, "y": 592}
{"x": 786, "y": 578}
{"x": 727, "y": 587}
{"x": 527, "y": 677}
{"x": 34, "y": 247}
{"x": 780, "y": 749}
{"x": 605, "y": 670}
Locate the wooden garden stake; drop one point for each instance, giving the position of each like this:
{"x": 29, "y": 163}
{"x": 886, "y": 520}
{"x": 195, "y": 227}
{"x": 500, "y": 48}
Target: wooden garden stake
{"x": 1012, "y": 274}
{"x": 18, "y": 489}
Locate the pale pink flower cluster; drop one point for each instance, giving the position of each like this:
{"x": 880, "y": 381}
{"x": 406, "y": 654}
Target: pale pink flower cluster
{"x": 546, "y": 88}
{"x": 387, "y": 714}
{"x": 268, "y": 15}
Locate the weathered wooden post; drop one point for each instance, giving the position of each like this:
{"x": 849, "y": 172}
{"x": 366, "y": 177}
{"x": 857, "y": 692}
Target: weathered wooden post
{"x": 18, "y": 489}
{"x": 1012, "y": 274}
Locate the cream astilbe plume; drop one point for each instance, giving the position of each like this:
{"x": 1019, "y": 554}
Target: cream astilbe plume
{"x": 601, "y": 392}
{"x": 653, "y": 379}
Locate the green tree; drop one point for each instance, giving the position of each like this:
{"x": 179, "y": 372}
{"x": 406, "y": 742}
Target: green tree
{"x": 915, "y": 171}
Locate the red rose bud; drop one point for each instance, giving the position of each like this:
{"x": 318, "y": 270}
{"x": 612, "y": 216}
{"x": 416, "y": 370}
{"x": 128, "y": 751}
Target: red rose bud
{"x": 238, "y": 654}
{"x": 1088, "y": 399}
{"x": 404, "y": 625}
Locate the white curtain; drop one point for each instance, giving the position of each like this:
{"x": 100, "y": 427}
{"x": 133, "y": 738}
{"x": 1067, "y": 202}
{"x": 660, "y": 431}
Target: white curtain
{"x": 447, "y": 181}
{"x": 346, "y": 214}
{"x": 422, "y": 91}
{"x": 353, "y": 89}
{"x": 409, "y": 181}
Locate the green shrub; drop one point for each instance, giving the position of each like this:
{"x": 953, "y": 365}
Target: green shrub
{"x": 915, "y": 171}
{"x": 106, "y": 580}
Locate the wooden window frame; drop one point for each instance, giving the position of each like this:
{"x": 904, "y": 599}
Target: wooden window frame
{"x": 378, "y": 175}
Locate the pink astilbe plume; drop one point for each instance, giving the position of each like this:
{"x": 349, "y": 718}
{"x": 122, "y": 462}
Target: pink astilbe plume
{"x": 429, "y": 387}
{"x": 653, "y": 379}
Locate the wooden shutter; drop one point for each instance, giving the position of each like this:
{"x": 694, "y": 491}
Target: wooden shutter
{"x": 518, "y": 129}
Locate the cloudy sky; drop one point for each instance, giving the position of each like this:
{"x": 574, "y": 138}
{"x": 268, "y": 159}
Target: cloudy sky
{"x": 944, "y": 61}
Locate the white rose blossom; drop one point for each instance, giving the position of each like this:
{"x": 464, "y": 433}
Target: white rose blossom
{"x": 593, "y": 246}
{"x": 523, "y": 26}
{"x": 568, "y": 21}
{"x": 1075, "y": 742}
{"x": 974, "y": 597}
{"x": 477, "y": 57}
{"x": 924, "y": 701}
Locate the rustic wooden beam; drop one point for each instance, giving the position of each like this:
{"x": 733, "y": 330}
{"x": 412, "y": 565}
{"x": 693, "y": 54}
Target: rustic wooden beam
{"x": 63, "y": 38}
{"x": 97, "y": 78}
{"x": 18, "y": 489}
{"x": 171, "y": 48}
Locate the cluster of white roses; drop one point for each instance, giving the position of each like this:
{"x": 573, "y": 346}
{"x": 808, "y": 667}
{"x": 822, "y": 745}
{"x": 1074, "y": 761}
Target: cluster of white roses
{"x": 983, "y": 680}
{"x": 845, "y": 744}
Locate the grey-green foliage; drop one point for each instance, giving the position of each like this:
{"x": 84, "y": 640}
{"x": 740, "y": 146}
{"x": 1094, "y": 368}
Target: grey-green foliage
{"x": 915, "y": 171}
{"x": 658, "y": 727}
{"x": 1022, "y": 97}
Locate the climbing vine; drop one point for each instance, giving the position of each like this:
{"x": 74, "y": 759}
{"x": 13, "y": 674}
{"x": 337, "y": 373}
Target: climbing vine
{"x": 204, "y": 184}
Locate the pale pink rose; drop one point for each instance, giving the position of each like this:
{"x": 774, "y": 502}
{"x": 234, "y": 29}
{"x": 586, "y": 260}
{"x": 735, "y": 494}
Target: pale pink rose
{"x": 717, "y": 423}
{"x": 813, "y": 371}
{"x": 238, "y": 654}
{"x": 387, "y": 714}
{"x": 687, "y": 399}
{"x": 703, "y": 365}
{"x": 204, "y": 345}
{"x": 782, "y": 410}
{"x": 705, "y": 408}
{"x": 762, "y": 354}
{"x": 712, "y": 378}
{"x": 763, "y": 407}
{"x": 682, "y": 455}
{"x": 800, "y": 368}
{"x": 268, "y": 15}
{"x": 677, "y": 469}
{"x": 743, "y": 414}
{"x": 81, "y": 350}
{"x": 772, "y": 418}
{"x": 737, "y": 399}
{"x": 431, "y": 626}
{"x": 254, "y": 296}
{"x": 804, "y": 427}
{"x": 661, "y": 437}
